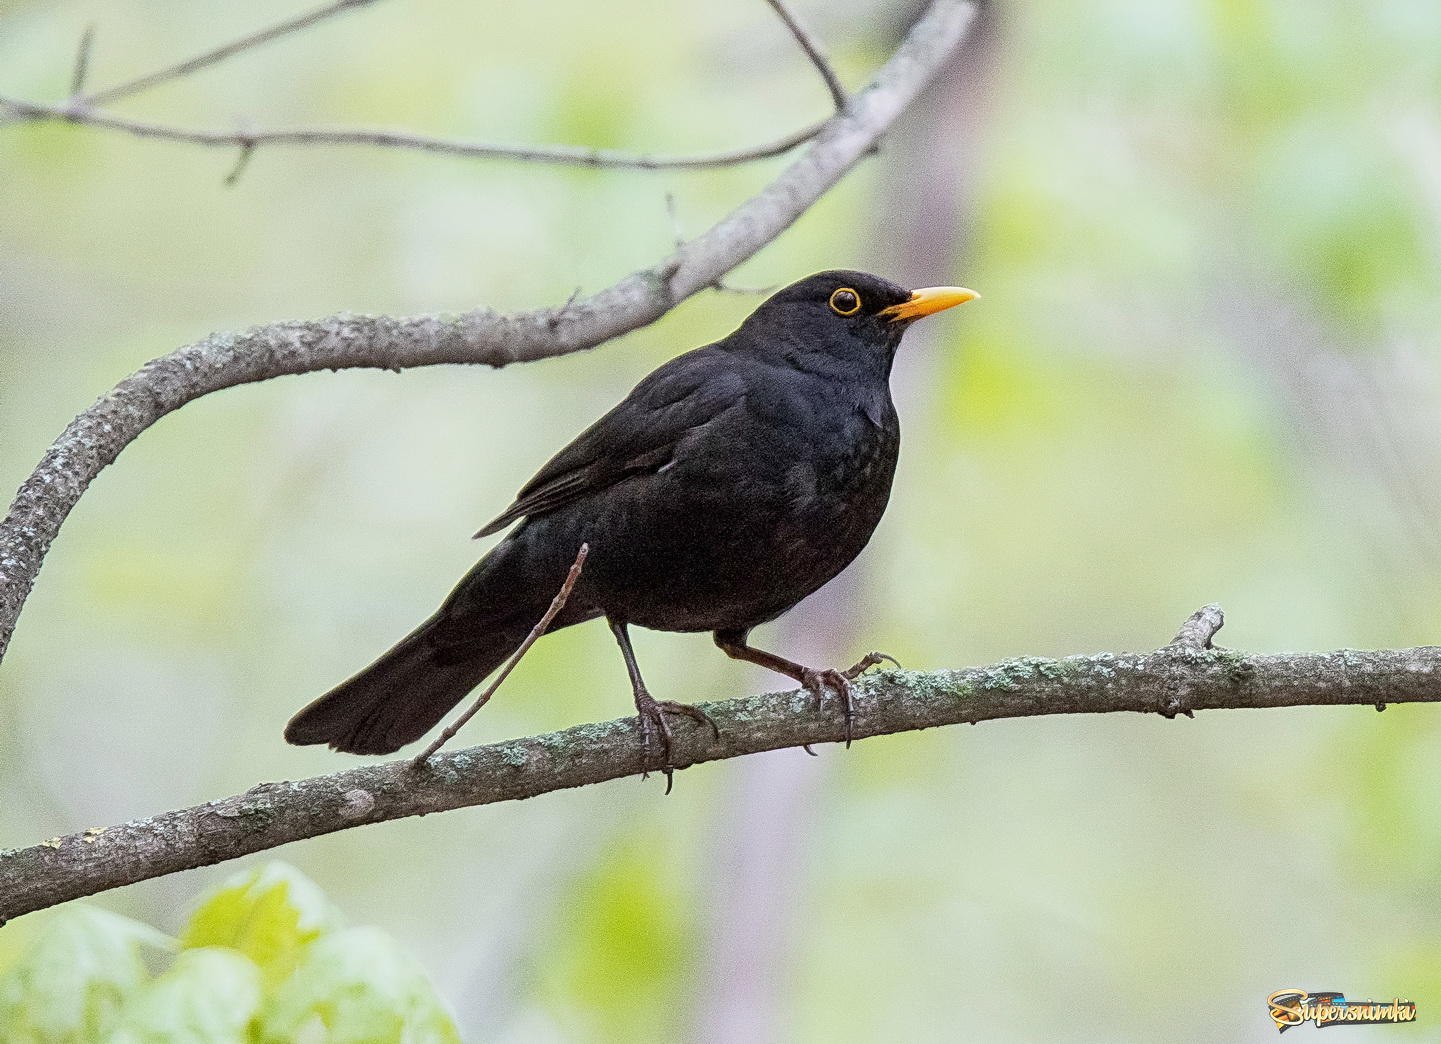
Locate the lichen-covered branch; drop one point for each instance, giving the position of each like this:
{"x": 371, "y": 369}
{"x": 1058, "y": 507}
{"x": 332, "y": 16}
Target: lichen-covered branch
{"x": 1180, "y": 678}
{"x": 96, "y": 437}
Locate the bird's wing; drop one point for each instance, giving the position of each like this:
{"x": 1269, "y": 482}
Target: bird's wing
{"x": 640, "y": 434}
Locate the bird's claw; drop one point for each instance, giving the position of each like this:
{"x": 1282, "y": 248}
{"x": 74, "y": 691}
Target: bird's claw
{"x": 653, "y": 727}
{"x": 816, "y": 681}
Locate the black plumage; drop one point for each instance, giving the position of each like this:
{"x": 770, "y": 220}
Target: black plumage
{"x": 731, "y": 483}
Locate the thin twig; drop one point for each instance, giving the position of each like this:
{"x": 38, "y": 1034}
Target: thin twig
{"x": 812, "y": 47}
{"x": 82, "y": 61}
{"x": 567, "y": 155}
{"x": 556, "y": 605}
{"x": 130, "y": 88}
{"x": 674, "y": 214}
{"x": 887, "y": 702}
{"x": 86, "y": 110}
{"x": 242, "y": 161}
{"x": 742, "y": 291}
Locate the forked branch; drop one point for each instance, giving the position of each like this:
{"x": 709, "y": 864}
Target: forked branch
{"x": 88, "y": 110}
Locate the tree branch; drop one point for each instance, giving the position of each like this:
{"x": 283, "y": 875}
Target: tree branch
{"x": 813, "y": 50}
{"x": 85, "y": 109}
{"x": 249, "y": 42}
{"x": 81, "y": 68}
{"x": 565, "y": 155}
{"x": 1178, "y": 678}
{"x": 97, "y": 436}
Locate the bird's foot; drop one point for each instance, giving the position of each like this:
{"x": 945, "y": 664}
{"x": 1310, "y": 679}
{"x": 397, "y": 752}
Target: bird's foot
{"x": 655, "y": 730}
{"x": 816, "y": 681}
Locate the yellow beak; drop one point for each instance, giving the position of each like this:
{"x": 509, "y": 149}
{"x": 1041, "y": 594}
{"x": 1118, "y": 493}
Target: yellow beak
{"x": 927, "y": 301}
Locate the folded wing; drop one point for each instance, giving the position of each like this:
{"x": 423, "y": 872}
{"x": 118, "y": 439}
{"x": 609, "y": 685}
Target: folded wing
{"x": 643, "y": 433}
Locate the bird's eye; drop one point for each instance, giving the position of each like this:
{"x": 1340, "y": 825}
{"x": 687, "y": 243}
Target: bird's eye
{"x": 845, "y": 301}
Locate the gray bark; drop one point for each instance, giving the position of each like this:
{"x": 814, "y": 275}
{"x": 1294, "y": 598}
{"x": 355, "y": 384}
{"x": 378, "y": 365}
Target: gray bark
{"x": 1186, "y": 676}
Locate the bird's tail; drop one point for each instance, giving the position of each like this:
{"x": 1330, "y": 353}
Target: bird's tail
{"x": 400, "y": 696}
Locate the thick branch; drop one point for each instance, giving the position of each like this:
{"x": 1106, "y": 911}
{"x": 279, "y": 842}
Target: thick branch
{"x": 1175, "y": 679}
{"x": 96, "y": 437}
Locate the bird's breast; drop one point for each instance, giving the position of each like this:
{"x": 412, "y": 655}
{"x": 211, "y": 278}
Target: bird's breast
{"x": 753, "y": 514}
{"x": 839, "y": 494}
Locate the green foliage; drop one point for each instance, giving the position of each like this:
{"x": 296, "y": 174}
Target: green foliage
{"x": 75, "y": 979}
{"x": 359, "y": 986}
{"x": 210, "y": 995}
{"x": 271, "y": 915}
{"x": 264, "y": 959}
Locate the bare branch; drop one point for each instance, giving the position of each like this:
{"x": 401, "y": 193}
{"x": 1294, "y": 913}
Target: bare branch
{"x": 565, "y": 155}
{"x": 241, "y": 162}
{"x": 1171, "y": 679}
{"x": 86, "y": 110}
{"x": 97, "y": 436}
{"x": 812, "y": 47}
{"x": 82, "y": 60}
{"x": 130, "y": 88}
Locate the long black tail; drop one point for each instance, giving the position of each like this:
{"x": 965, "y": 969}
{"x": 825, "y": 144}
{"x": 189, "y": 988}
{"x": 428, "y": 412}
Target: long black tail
{"x": 400, "y": 696}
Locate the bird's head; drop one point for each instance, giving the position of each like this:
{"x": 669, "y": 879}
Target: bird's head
{"x": 842, "y": 312}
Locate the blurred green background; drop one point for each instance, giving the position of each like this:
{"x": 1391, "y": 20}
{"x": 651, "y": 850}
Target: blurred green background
{"x": 1208, "y": 236}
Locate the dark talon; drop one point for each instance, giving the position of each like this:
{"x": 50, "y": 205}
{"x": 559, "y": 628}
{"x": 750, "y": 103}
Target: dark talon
{"x": 651, "y": 713}
{"x": 652, "y": 721}
{"x": 694, "y": 713}
{"x": 816, "y": 681}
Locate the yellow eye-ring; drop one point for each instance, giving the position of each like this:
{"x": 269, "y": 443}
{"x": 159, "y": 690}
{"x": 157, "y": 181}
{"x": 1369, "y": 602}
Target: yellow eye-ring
{"x": 845, "y": 301}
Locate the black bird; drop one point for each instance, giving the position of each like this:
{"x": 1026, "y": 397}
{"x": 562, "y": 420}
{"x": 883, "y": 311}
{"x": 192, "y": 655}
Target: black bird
{"x": 731, "y": 483}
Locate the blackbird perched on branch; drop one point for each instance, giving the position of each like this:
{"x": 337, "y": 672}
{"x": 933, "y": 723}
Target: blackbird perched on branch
{"x": 731, "y": 483}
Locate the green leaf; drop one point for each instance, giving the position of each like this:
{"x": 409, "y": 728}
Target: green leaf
{"x": 358, "y": 986}
{"x": 210, "y": 995}
{"x": 71, "y": 982}
{"x": 271, "y": 915}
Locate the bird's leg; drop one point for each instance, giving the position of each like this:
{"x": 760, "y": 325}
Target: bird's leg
{"x": 652, "y": 711}
{"x": 733, "y": 644}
